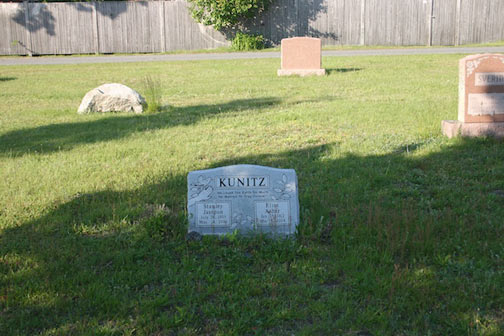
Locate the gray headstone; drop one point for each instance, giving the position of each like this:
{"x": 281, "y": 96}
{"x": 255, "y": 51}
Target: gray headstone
{"x": 247, "y": 198}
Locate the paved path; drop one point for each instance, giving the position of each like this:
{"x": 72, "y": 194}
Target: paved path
{"x": 226, "y": 56}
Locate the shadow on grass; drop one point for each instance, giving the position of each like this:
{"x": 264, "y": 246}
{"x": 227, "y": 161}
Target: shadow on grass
{"x": 6, "y": 79}
{"x": 65, "y": 136}
{"x": 331, "y": 71}
{"x": 113, "y": 262}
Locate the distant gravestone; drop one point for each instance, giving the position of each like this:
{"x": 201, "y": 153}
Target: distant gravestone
{"x": 247, "y": 198}
{"x": 301, "y": 56}
{"x": 481, "y": 97}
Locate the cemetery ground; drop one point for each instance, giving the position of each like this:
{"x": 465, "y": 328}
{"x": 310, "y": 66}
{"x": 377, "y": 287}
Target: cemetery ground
{"x": 401, "y": 228}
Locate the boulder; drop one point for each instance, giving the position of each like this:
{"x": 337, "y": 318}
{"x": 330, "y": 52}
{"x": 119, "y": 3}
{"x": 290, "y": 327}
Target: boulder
{"x": 112, "y": 98}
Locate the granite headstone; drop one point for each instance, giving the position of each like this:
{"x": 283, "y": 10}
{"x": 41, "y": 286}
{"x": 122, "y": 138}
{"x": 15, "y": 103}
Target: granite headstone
{"x": 481, "y": 97}
{"x": 247, "y": 198}
{"x": 301, "y": 56}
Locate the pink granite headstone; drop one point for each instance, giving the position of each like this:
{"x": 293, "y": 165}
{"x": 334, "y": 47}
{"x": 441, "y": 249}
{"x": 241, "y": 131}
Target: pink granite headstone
{"x": 301, "y": 56}
{"x": 481, "y": 97}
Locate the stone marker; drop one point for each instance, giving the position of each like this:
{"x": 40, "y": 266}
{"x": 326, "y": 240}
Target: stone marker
{"x": 247, "y": 198}
{"x": 112, "y": 98}
{"x": 301, "y": 56}
{"x": 481, "y": 97}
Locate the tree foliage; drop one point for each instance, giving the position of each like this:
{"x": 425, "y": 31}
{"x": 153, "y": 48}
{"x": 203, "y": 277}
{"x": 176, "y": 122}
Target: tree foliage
{"x": 226, "y": 13}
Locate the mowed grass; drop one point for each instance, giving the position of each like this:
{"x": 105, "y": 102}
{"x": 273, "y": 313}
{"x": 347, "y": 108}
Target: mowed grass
{"x": 401, "y": 228}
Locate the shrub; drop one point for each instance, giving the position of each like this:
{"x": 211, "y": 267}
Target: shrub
{"x": 224, "y": 14}
{"x": 244, "y": 41}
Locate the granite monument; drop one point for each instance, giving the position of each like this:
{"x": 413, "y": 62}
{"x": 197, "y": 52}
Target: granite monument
{"x": 247, "y": 198}
{"x": 481, "y": 97}
{"x": 301, "y": 56}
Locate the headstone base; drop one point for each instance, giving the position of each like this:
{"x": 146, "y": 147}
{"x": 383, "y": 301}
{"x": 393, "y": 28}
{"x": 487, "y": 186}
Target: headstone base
{"x": 301, "y": 72}
{"x": 453, "y": 128}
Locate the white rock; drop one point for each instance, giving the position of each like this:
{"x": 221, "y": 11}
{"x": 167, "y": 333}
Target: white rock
{"x": 112, "y": 98}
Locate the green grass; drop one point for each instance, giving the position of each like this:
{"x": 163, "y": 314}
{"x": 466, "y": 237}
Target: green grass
{"x": 401, "y": 229}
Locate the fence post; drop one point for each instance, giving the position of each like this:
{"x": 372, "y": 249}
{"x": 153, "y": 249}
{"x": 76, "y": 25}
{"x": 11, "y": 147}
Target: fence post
{"x": 27, "y": 27}
{"x": 430, "y": 18}
{"x": 95, "y": 27}
{"x": 362, "y": 38}
{"x": 162, "y": 26}
{"x": 457, "y": 22}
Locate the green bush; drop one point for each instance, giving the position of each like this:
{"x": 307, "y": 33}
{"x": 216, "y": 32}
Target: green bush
{"x": 223, "y": 14}
{"x": 244, "y": 41}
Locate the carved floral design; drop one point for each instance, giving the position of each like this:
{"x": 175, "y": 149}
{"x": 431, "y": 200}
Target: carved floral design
{"x": 473, "y": 65}
{"x": 283, "y": 189}
{"x": 239, "y": 219}
{"x": 201, "y": 190}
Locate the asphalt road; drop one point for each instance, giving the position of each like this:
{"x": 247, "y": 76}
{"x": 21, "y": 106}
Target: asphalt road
{"x": 47, "y": 60}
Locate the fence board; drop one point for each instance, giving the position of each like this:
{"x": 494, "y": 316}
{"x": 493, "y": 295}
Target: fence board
{"x": 444, "y": 22}
{"x": 61, "y": 28}
{"x": 396, "y": 22}
{"x": 343, "y": 22}
{"x": 183, "y": 33}
{"x": 481, "y": 21}
{"x": 13, "y": 36}
{"x": 317, "y": 20}
{"x": 129, "y": 26}
{"x": 282, "y": 21}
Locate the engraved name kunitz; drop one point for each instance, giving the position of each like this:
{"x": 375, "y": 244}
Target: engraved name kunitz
{"x": 242, "y": 182}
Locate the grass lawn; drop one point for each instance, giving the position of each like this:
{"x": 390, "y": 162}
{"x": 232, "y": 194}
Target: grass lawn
{"x": 401, "y": 228}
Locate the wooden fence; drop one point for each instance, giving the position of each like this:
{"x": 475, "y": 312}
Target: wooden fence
{"x": 158, "y": 26}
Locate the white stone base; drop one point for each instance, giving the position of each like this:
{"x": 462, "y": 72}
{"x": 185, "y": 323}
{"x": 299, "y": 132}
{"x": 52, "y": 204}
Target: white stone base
{"x": 453, "y": 128}
{"x": 301, "y": 72}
